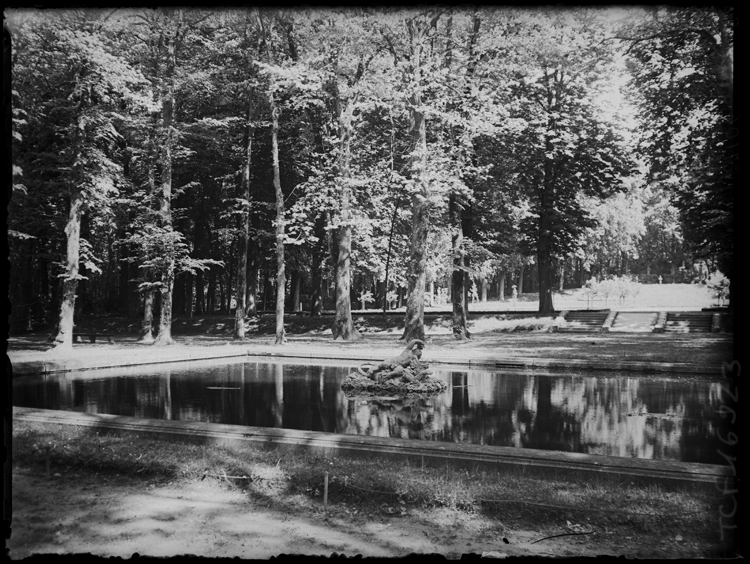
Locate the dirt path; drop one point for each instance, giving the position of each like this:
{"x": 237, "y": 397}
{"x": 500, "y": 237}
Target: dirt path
{"x": 88, "y": 513}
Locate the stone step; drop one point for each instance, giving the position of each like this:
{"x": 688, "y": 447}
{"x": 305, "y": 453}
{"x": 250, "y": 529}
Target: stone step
{"x": 689, "y": 317}
{"x": 580, "y": 329}
{"x": 687, "y": 322}
{"x": 686, "y": 329}
{"x": 635, "y": 322}
{"x": 584, "y": 322}
{"x": 585, "y": 314}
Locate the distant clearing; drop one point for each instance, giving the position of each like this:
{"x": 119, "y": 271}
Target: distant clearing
{"x": 650, "y": 296}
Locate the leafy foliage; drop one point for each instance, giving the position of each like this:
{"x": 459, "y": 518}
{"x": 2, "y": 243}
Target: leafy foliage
{"x": 681, "y": 61}
{"x": 396, "y": 129}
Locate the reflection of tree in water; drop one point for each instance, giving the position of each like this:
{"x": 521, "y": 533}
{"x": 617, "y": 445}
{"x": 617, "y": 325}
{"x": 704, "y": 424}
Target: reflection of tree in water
{"x": 684, "y": 420}
{"x": 645, "y": 417}
{"x": 408, "y": 417}
{"x": 42, "y": 391}
{"x": 482, "y": 408}
{"x": 312, "y": 398}
{"x": 548, "y": 427}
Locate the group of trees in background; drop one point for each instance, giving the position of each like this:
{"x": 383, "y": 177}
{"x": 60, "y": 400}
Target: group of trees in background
{"x": 189, "y": 161}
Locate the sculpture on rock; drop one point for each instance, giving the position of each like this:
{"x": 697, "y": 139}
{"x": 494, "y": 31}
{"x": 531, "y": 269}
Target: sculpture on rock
{"x": 405, "y": 373}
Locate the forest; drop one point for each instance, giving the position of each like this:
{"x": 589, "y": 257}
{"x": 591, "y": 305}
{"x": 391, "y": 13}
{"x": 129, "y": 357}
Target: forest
{"x": 190, "y": 161}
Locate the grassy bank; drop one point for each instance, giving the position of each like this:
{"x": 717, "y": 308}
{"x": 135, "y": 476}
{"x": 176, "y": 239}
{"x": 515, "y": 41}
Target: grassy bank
{"x": 603, "y": 508}
{"x": 698, "y": 348}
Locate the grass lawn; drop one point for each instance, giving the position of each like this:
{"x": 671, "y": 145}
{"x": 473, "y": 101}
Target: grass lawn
{"x": 650, "y": 297}
{"x": 696, "y": 348}
{"x": 107, "y": 491}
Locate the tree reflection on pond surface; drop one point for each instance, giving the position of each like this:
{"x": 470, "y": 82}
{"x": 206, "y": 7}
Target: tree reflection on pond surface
{"x": 652, "y": 417}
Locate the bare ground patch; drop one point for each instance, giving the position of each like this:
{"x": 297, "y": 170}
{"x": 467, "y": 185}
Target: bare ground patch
{"x": 113, "y": 515}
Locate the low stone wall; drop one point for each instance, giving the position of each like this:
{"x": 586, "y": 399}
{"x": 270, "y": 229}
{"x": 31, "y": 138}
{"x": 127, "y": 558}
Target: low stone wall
{"x": 417, "y": 452}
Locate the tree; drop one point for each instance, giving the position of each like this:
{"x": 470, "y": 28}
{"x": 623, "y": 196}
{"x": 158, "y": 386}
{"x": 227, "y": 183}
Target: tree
{"x": 242, "y": 266}
{"x": 567, "y": 146}
{"x": 388, "y": 150}
{"x": 266, "y": 26}
{"x": 343, "y": 105}
{"x": 616, "y": 233}
{"x": 166, "y": 143}
{"x": 662, "y": 242}
{"x": 458, "y": 201}
{"x": 165, "y": 36}
{"x": 682, "y": 65}
{"x": 88, "y": 88}
{"x": 412, "y": 59}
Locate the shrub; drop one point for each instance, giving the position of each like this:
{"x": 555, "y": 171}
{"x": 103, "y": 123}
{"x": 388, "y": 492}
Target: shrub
{"x": 626, "y": 286}
{"x": 366, "y": 297}
{"x": 719, "y": 286}
{"x": 621, "y": 287}
{"x": 591, "y": 290}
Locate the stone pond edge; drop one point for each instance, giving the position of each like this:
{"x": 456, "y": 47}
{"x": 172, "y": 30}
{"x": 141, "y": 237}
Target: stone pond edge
{"x": 29, "y": 367}
{"x": 455, "y": 454}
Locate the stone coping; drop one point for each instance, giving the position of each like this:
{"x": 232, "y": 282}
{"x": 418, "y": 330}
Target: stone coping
{"x": 356, "y": 445}
{"x": 32, "y": 364}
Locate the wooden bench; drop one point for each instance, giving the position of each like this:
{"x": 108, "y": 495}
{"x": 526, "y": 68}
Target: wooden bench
{"x": 92, "y": 337}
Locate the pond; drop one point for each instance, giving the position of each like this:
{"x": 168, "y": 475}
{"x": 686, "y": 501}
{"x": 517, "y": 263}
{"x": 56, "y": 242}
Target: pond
{"x": 650, "y": 417}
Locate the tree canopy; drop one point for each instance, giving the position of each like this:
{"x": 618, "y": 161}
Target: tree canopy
{"x": 181, "y": 161}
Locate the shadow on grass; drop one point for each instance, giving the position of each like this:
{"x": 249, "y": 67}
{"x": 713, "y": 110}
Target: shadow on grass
{"x": 386, "y": 485}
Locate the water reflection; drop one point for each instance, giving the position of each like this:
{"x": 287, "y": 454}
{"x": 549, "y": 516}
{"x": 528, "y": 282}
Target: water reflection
{"x": 648, "y": 417}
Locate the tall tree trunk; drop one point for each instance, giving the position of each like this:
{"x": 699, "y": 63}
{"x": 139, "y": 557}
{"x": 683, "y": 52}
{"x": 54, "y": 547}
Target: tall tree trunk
{"x": 280, "y": 274}
{"x": 416, "y": 273}
{"x": 562, "y": 275}
{"x": 458, "y": 277}
{"x": 386, "y": 304}
{"x": 200, "y": 289}
{"x": 211, "y": 294}
{"x": 460, "y": 218}
{"x": 164, "y": 337}
{"x": 264, "y": 291}
{"x": 280, "y": 264}
{"x": 123, "y": 286}
{"x": 222, "y": 304}
{"x": 46, "y": 287}
{"x": 179, "y": 295}
{"x": 189, "y": 295}
{"x": 242, "y": 291}
{"x": 521, "y": 271}
{"x": 251, "y": 304}
{"x": 147, "y": 325}
{"x": 546, "y": 276}
{"x": 501, "y": 286}
{"x": 579, "y": 272}
{"x": 544, "y": 246}
{"x": 239, "y": 312}
{"x": 343, "y": 326}
{"x": 316, "y": 301}
{"x": 64, "y": 337}
{"x": 296, "y": 291}
{"x": 226, "y": 291}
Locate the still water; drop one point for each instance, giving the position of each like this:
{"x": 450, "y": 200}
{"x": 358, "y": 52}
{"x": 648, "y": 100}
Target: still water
{"x": 649, "y": 417}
